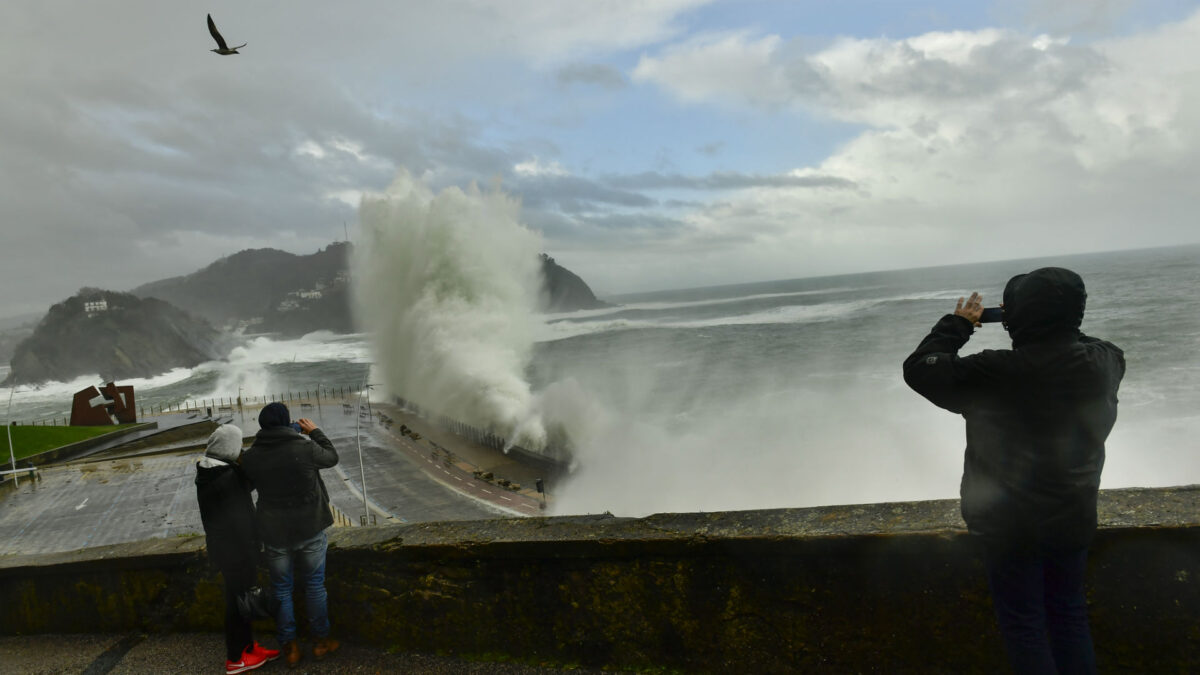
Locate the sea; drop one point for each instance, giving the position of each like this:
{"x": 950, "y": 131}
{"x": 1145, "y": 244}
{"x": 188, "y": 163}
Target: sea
{"x": 761, "y": 395}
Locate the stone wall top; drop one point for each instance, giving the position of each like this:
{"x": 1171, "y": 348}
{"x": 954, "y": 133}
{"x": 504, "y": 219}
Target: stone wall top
{"x": 1176, "y": 507}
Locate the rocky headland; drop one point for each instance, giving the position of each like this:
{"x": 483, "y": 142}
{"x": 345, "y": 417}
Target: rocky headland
{"x": 114, "y": 335}
{"x": 267, "y": 290}
{"x": 564, "y": 291}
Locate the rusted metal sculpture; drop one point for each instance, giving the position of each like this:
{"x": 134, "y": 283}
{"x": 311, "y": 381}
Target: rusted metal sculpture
{"x": 115, "y": 407}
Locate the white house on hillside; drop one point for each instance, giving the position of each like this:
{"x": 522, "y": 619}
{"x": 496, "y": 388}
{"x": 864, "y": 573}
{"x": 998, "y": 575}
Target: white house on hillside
{"x": 94, "y": 307}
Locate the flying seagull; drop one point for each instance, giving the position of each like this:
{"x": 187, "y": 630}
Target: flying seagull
{"x": 222, "y": 49}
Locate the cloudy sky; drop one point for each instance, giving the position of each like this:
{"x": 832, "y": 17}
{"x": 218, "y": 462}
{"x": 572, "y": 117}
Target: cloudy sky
{"x": 654, "y": 143}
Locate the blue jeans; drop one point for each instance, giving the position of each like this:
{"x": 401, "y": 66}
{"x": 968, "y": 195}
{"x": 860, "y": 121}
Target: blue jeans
{"x": 307, "y": 559}
{"x": 1042, "y": 610}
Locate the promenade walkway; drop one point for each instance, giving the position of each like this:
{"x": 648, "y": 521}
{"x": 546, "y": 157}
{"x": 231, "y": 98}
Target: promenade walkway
{"x": 112, "y": 497}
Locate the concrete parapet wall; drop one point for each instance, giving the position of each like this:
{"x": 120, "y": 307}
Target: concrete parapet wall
{"x": 199, "y": 430}
{"x": 871, "y": 588}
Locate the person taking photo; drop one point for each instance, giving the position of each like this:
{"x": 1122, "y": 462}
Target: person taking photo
{"x": 1037, "y": 417}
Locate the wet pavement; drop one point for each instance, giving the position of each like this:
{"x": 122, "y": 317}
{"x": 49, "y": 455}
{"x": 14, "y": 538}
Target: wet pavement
{"x": 100, "y": 503}
{"x": 112, "y": 497}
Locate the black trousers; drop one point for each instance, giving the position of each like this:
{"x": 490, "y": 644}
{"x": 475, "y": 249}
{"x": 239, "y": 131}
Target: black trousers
{"x": 238, "y": 578}
{"x": 1041, "y": 606}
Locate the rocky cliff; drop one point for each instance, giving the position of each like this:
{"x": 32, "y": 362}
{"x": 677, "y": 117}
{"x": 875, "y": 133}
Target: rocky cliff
{"x": 254, "y": 283}
{"x": 113, "y": 335}
{"x": 563, "y": 290}
{"x": 279, "y": 292}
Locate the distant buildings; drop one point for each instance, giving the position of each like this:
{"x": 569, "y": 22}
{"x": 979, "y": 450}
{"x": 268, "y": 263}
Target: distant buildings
{"x": 94, "y": 307}
{"x": 292, "y": 301}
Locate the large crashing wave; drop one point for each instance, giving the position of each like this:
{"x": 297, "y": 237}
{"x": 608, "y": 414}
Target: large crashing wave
{"x": 447, "y": 286}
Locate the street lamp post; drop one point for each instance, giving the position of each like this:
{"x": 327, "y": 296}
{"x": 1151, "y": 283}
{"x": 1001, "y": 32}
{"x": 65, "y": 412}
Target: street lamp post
{"x": 362, "y": 471}
{"x": 12, "y": 457}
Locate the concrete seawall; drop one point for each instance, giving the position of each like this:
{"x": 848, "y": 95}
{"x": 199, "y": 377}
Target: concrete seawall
{"x": 869, "y": 588}
{"x": 74, "y": 449}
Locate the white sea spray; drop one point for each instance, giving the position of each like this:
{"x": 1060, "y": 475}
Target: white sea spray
{"x": 446, "y": 285}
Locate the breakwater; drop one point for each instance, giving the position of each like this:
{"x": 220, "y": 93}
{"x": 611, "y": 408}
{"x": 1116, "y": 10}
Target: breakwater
{"x": 867, "y": 588}
{"x": 548, "y": 462}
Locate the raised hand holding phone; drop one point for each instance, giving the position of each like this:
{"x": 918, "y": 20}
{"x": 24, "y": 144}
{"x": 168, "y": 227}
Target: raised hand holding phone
{"x": 971, "y": 310}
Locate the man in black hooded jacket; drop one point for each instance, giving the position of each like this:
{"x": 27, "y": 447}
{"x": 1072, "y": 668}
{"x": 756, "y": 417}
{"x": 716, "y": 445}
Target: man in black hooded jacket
{"x": 1037, "y": 417}
{"x": 293, "y": 512}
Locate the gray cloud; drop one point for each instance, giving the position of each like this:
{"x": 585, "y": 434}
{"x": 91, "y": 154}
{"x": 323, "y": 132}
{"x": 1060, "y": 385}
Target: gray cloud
{"x": 1002, "y": 68}
{"x": 590, "y": 200}
{"x": 595, "y": 242}
{"x": 596, "y": 74}
{"x": 725, "y": 180}
{"x": 1078, "y": 16}
{"x": 683, "y": 204}
{"x": 574, "y": 194}
{"x": 878, "y": 81}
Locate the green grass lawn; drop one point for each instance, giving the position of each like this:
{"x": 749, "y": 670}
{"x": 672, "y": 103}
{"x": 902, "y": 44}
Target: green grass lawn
{"x": 30, "y": 440}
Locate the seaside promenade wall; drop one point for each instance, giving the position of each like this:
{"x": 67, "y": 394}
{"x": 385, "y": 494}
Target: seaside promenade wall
{"x": 868, "y": 588}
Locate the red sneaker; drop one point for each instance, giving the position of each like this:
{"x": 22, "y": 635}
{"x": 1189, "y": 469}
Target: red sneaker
{"x": 249, "y": 661}
{"x": 266, "y": 654}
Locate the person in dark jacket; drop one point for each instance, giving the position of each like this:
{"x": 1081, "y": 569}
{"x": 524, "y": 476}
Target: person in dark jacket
{"x": 1037, "y": 417}
{"x": 228, "y": 517}
{"x": 293, "y": 512}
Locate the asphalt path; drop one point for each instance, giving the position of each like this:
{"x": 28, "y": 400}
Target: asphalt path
{"x": 93, "y": 504}
{"x": 426, "y": 475}
{"x": 398, "y": 489}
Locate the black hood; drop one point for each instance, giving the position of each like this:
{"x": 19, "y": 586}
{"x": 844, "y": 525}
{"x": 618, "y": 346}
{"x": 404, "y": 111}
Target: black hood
{"x": 274, "y": 415}
{"x": 1045, "y": 304}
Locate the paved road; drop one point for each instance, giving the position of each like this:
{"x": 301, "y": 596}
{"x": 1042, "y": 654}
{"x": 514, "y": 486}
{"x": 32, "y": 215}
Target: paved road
{"x": 189, "y": 653}
{"x": 142, "y": 496}
{"x": 100, "y": 503}
{"x": 444, "y": 459}
{"x": 398, "y": 488}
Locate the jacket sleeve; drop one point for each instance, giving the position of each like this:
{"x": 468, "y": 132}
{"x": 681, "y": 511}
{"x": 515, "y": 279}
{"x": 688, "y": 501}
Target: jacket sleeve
{"x": 323, "y": 453}
{"x": 1113, "y": 354}
{"x": 252, "y": 536}
{"x": 936, "y": 371}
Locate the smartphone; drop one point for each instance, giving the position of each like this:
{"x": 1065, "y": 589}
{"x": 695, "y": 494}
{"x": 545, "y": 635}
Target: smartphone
{"x": 296, "y": 425}
{"x": 992, "y": 315}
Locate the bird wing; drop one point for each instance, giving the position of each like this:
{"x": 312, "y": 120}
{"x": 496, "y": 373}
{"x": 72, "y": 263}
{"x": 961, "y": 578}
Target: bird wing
{"x": 212, "y": 28}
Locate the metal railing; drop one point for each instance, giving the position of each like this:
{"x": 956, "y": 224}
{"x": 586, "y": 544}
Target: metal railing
{"x": 218, "y": 405}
